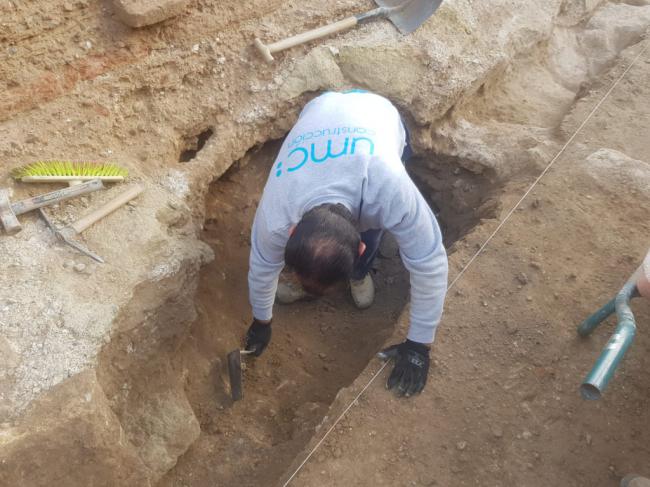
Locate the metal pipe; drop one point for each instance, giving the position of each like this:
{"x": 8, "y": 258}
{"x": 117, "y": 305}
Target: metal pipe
{"x": 590, "y": 324}
{"x": 596, "y": 381}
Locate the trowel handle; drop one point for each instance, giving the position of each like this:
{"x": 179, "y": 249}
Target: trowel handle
{"x": 267, "y": 51}
{"x": 121, "y": 199}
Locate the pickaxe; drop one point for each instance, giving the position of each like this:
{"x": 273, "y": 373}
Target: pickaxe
{"x": 67, "y": 233}
{"x": 9, "y": 211}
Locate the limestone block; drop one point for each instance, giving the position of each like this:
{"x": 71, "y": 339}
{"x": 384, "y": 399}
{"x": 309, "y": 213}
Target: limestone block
{"x": 139, "y": 13}
{"x": 71, "y": 435}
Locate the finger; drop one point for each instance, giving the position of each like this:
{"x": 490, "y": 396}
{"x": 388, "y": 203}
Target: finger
{"x": 414, "y": 385}
{"x": 395, "y": 377}
{"x": 421, "y": 382}
{"x": 388, "y": 353}
{"x": 405, "y": 382}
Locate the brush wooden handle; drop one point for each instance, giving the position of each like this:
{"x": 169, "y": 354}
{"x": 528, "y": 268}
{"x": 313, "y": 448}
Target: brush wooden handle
{"x": 267, "y": 51}
{"x": 55, "y": 196}
{"x": 121, "y": 199}
{"x": 70, "y": 179}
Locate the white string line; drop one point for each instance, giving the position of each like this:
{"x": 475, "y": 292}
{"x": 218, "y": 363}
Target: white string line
{"x": 336, "y": 422}
{"x": 478, "y": 252}
{"x": 548, "y": 167}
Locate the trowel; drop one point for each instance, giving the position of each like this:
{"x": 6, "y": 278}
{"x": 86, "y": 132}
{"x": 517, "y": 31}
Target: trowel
{"x": 234, "y": 372}
{"x": 406, "y": 15}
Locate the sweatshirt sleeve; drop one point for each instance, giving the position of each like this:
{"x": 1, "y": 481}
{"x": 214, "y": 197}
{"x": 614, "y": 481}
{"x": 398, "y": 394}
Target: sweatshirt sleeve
{"x": 400, "y": 208}
{"x": 265, "y": 263}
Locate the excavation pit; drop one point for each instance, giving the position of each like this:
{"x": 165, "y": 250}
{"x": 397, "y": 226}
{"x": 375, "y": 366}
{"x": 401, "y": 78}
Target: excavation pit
{"x": 319, "y": 347}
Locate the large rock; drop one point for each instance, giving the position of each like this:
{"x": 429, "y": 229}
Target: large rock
{"x": 139, "y": 13}
{"x": 70, "y": 436}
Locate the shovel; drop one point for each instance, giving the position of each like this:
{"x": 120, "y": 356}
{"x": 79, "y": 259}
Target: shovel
{"x": 406, "y": 15}
{"x": 234, "y": 372}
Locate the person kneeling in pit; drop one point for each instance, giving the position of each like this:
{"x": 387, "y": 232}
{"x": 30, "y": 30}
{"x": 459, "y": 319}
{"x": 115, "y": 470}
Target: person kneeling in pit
{"x": 337, "y": 184}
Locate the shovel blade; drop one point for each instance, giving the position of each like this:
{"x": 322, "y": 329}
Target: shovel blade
{"x": 234, "y": 372}
{"x": 413, "y": 15}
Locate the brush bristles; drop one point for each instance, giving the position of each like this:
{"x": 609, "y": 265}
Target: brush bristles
{"x": 64, "y": 168}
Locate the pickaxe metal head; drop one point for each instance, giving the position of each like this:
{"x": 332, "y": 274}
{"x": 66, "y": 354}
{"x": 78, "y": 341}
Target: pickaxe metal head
{"x": 65, "y": 237}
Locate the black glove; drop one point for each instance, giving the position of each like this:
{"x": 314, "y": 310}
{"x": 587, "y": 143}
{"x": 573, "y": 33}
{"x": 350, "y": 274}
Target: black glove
{"x": 409, "y": 375}
{"x": 258, "y": 337}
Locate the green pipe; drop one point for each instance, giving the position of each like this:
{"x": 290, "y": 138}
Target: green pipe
{"x": 590, "y": 324}
{"x": 596, "y": 381}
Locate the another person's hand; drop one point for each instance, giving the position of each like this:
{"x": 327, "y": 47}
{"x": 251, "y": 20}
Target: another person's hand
{"x": 258, "y": 337}
{"x": 409, "y": 376}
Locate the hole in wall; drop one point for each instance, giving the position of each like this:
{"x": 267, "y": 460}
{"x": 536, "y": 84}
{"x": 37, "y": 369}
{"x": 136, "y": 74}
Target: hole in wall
{"x": 193, "y": 145}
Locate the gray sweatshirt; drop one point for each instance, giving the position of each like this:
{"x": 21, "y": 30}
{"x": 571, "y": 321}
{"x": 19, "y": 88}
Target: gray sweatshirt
{"x": 346, "y": 148}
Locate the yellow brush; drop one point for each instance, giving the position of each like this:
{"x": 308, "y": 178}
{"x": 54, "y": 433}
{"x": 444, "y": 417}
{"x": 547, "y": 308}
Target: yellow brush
{"x": 69, "y": 172}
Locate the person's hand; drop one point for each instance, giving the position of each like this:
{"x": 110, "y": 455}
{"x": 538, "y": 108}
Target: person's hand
{"x": 258, "y": 337}
{"x": 409, "y": 375}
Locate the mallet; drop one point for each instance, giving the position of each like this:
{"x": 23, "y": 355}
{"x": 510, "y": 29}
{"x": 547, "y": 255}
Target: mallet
{"x": 9, "y": 211}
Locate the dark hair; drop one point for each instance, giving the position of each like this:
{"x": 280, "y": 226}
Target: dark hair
{"x": 324, "y": 246}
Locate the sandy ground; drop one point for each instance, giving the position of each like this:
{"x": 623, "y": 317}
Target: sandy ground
{"x": 491, "y": 97}
{"x": 503, "y": 406}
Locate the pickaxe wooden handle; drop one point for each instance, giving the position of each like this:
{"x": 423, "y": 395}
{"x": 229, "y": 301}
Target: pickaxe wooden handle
{"x": 121, "y": 199}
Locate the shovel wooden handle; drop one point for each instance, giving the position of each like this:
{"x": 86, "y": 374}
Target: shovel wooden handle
{"x": 121, "y": 199}
{"x": 267, "y": 51}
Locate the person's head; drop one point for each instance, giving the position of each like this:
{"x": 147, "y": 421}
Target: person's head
{"x": 324, "y": 247}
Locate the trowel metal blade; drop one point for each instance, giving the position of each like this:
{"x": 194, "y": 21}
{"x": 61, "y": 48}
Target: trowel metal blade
{"x": 413, "y": 15}
{"x": 234, "y": 372}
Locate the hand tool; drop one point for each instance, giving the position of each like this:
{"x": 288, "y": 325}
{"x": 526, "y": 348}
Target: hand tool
{"x": 67, "y": 233}
{"x": 69, "y": 172}
{"x": 9, "y": 211}
{"x": 406, "y": 15}
{"x": 67, "y": 240}
{"x": 234, "y": 372}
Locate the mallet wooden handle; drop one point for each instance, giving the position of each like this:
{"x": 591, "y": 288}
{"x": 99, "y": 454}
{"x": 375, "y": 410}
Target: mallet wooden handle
{"x": 121, "y": 199}
{"x": 267, "y": 51}
{"x": 47, "y": 199}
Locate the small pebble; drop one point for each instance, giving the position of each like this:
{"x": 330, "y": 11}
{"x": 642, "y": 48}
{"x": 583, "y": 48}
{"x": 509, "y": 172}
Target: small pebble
{"x": 80, "y": 267}
{"x": 461, "y": 445}
{"x": 497, "y": 431}
{"x": 522, "y": 278}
